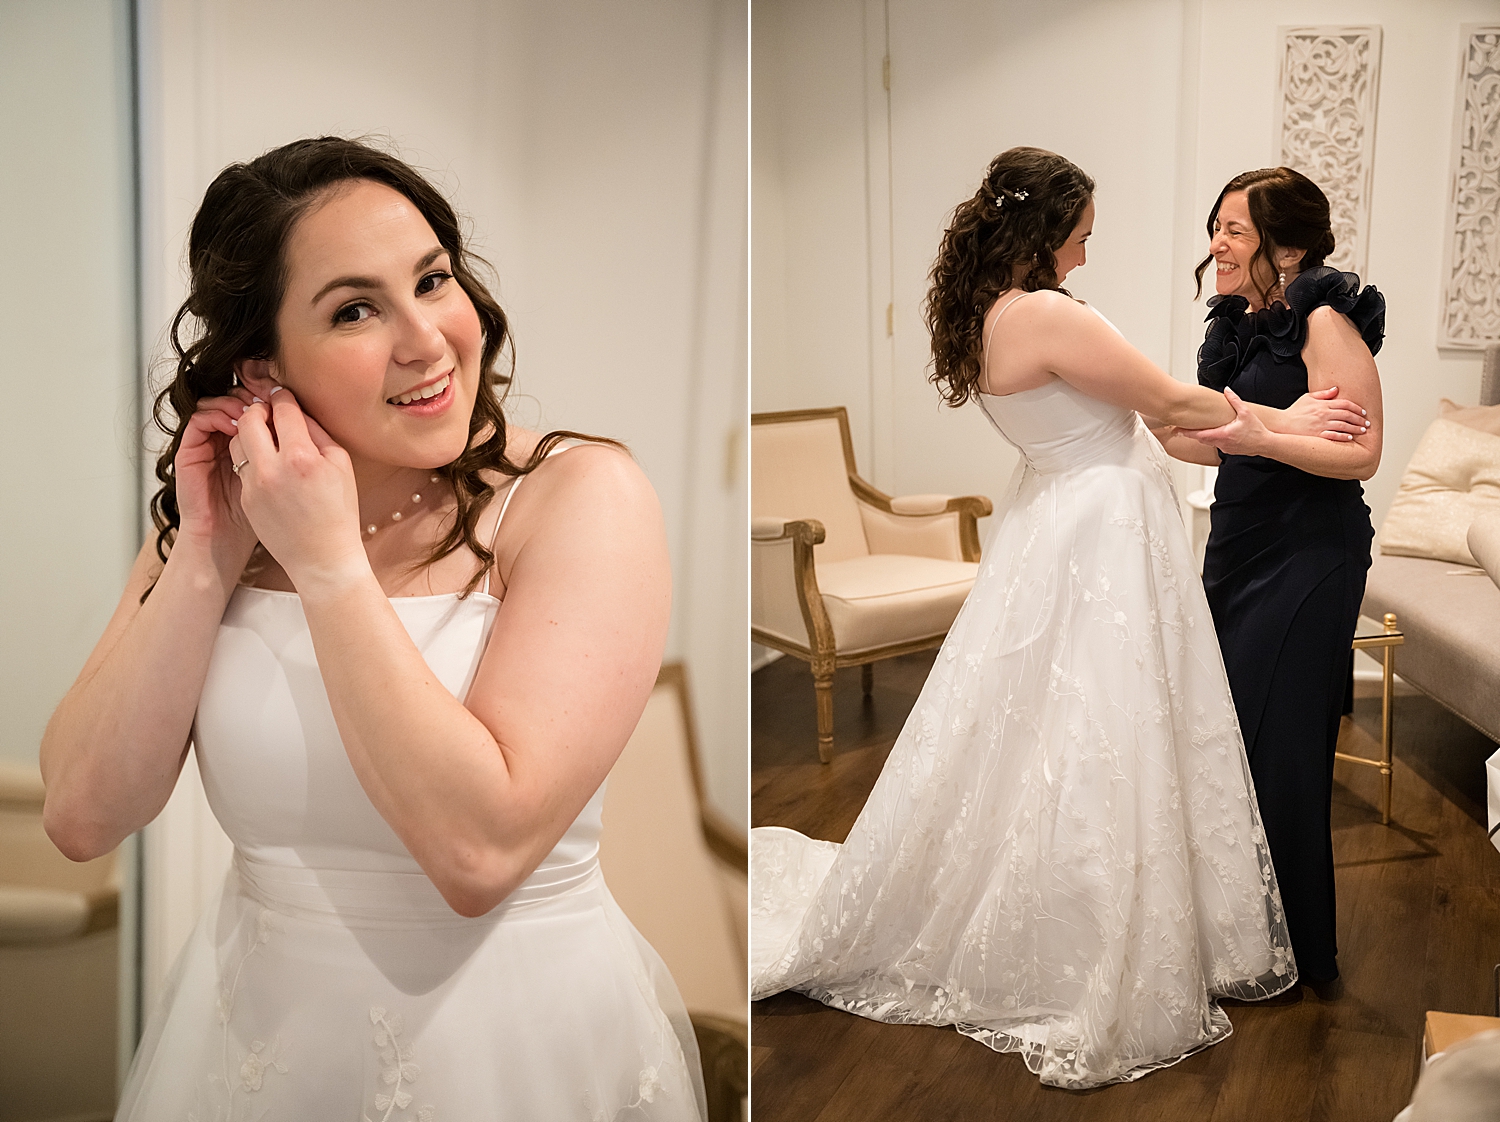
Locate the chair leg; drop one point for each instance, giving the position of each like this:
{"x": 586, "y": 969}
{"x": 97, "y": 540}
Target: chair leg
{"x": 867, "y": 678}
{"x": 823, "y": 686}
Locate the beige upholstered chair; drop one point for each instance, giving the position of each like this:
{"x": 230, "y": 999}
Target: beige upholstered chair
{"x": 842, "y": 574}
{"x": 679, "y": 870}
{"x": 59, "y": 952}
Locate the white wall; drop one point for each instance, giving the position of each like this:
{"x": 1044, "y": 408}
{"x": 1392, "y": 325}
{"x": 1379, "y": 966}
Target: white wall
{"x": 599, "y": 149}
{"x": 67, "y": 318}
{"x": 812, "y": 336}
{"x": 1161, "y": 101}
{"x": 68, "y": 365}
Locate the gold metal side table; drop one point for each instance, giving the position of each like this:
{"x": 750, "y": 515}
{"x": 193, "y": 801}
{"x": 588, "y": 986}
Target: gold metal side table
{"x": 1387, "y": 641}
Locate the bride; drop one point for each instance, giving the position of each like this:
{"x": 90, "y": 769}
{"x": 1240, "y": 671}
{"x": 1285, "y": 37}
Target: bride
{"x": 406, "y": 640}
{"x": 1062, "y": 856}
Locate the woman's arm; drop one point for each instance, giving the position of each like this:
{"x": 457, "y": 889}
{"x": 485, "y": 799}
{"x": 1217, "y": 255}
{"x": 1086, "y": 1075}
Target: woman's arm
{"x": 1052, "y": 334}
{"x": 1335, "y": 354}
{"x": 1184, "y": 448}
{"x": 1323, "y": 413}
{"x": 481, "y": 791}
{"x": 1320, "y": 413}
{"x": 112, "y": 751}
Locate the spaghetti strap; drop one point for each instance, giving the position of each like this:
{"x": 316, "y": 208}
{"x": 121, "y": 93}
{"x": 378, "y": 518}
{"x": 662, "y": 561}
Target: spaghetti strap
{"x": 505, "y": 505}
{"x": 984, "y": 353}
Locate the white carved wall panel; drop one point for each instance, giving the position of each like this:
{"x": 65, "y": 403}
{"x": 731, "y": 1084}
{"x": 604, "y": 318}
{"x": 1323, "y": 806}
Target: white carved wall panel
{"x": 1470, "y": 307}
{"x": 1330, "y": 80}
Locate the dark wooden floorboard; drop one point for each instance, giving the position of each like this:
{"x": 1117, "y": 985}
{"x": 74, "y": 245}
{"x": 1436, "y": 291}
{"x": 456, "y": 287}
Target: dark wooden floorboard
{"x": 1365, "y": 1076}
{"x": 757, "y": 1054}
{"x": 1419, "y": 929}
{"x": 811, "y": 1054}
{"x": 895, "y": 1064}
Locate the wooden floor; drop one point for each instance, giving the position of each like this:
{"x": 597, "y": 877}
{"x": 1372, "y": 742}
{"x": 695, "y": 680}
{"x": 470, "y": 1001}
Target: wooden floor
{"x": 1419, "y": 929}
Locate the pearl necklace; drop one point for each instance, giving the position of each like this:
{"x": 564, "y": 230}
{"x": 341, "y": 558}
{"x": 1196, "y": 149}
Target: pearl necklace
{"x": 416, "y": 497}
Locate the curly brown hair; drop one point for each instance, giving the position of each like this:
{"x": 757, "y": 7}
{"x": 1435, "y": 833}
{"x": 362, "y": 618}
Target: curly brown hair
{"x": 238, "y": 275}
{"x": 1006, "y": 236}
{"x": 1289, "y": 210}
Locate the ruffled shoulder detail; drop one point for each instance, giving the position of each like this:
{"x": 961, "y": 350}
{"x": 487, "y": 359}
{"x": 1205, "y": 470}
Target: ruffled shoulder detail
{"x": 1236, "y": 334}
{"x": 1226, "y": 346}
{"x": 1341, "y": 292}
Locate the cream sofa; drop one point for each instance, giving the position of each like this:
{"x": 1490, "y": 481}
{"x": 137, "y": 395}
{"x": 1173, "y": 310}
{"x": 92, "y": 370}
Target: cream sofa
{"x": 1450, "y": 616}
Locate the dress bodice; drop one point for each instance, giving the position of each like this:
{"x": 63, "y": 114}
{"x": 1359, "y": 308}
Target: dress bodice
{"x": 328, "y": 977}
{"x": 274, "y": 767}
{"x": 1057, "y": 428}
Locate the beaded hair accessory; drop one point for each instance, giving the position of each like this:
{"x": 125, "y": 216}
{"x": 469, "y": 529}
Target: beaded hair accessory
{"x": 1014, "y": 196}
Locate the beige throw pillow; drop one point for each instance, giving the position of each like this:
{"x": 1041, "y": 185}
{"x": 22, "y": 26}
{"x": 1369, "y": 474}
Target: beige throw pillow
{"x": 1452, "y": 479}
{"x": 1485, "y": 418}
{"x": 1484, "y": 544}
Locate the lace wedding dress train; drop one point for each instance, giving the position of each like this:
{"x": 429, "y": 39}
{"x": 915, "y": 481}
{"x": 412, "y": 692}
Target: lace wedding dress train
{"x": 1063, "y": 856}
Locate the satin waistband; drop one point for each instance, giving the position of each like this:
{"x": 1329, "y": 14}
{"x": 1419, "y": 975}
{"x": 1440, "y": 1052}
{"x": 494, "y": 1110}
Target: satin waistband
{"x": 1113, "y": 444}
{"x": 398, "y": 898}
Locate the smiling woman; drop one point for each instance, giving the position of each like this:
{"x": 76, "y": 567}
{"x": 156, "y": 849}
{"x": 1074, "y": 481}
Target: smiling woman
{"x": 403, "y": 695}
{"x": 1286, "y": 558}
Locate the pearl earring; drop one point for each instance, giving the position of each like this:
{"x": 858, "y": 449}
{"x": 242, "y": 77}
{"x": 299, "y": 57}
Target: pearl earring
{"x": 1282, "y": 279}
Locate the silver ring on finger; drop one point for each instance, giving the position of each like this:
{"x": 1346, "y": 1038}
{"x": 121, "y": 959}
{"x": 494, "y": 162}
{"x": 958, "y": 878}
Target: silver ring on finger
{"x": 236, "y": 467}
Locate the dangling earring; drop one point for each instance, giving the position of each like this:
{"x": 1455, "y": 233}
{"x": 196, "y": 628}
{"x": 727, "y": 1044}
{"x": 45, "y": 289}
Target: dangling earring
{"x": 1281, "y": 281}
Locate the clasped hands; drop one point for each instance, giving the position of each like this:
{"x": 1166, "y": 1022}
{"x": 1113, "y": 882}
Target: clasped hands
{"x": 1320, "y": 413}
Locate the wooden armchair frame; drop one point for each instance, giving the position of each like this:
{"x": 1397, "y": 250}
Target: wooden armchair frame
{"x": 820, "y": 652}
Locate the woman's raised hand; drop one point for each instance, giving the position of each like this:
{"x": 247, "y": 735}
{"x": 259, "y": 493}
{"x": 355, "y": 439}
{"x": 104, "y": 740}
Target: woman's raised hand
{"x": 297, "y": 489}
{"x": 208, "y": 493}
{"x": 1323, "y": 413}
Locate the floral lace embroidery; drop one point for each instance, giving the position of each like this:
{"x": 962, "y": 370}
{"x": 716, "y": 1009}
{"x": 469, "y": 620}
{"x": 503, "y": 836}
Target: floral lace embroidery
{"x": 648, "y": 1086}
{"x": 262, "y": 1058}
{"x": 399, "y": 1068}
{"x": 253, "y": 1070}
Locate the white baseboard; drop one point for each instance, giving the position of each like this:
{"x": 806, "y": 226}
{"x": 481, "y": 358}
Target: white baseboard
{"x": 762, "y": 656}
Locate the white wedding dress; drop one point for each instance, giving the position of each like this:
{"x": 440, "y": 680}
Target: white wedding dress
{"x": 1063, "y": 856}
{"x": 329, "y": 981}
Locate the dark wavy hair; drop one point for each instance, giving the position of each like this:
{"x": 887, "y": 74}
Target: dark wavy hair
{"x": 1006, "y": 236}
{"x": 238, "y": 276}
{"x": 1289, "y": 210}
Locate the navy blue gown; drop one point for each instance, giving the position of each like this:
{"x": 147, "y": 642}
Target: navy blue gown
{"x": 1285, "y": 573}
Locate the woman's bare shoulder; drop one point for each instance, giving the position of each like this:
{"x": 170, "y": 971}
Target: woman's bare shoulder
{"x": 581, "y": 478}
{"x": 1022, "y": 298}
{"x": 1330, "y": 330}
{"x": 1040, "y": 319}
{"x": 1328, "y": 318}
{"x": 1047, "y": 305}
{"x": 1060, "y": 303}
{"x": 593, "y": 472}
